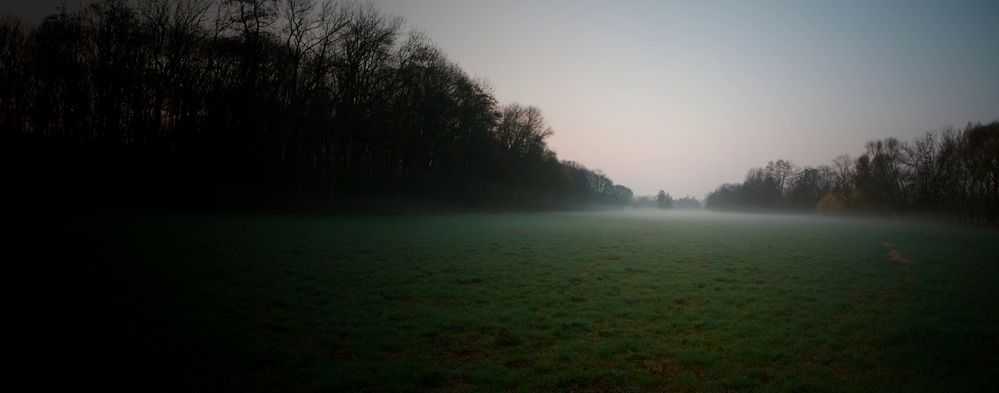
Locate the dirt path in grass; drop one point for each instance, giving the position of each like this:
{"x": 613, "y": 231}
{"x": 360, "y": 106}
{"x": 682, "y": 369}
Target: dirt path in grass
{"x": 897, "y": 257}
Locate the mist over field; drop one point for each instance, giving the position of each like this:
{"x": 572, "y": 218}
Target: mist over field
{"x": 518, "y": 196}
{"x": 641, "y": 300}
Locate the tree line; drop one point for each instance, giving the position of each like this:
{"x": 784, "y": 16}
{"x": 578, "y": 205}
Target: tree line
{"x": 952, "y": 171}
{"x": 314, "y": 105}
{"x": 663, "y": 200}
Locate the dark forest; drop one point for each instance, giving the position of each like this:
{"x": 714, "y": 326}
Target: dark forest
{"x": 261, "y": 105}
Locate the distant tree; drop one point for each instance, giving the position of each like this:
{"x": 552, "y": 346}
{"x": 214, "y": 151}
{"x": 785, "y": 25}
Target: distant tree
{"x": 761, "y": 189}
{"x": 664, "y": 200}
{"x": 779, "y": 172}
{"x": 725, "y": 197}
{"x": 623, "y": 195}
{"x": 644, "y": 201}
{"x": 594, "y": 188}
{"x": 687, "y": 202}
{"x": 923, "y": 174}
{"x": 981, "y": 172}
{"x": 880, "y": 175}
{"x": 807, "y": 187}
{"x": 843, "y": 174}
{"x": 955, "y": 172}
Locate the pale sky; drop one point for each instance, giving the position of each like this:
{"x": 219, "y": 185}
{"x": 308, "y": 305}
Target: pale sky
{"x": 684, "y": 96}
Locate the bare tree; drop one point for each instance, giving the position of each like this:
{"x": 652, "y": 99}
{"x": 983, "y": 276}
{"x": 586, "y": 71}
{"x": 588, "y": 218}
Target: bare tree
{"x": 844, "y": 174}
{"x": 781, "y": 172}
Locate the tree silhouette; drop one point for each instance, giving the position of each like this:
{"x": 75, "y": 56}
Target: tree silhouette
{"x": 664, "y": 200}
{"x": 954, "y": 172}
{"x": 290, "y": 104}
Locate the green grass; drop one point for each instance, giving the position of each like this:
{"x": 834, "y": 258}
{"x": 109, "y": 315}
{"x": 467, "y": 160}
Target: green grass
{"x": 542, "y": 302}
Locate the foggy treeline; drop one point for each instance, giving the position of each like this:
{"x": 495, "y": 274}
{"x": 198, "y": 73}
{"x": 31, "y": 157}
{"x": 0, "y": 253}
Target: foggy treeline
{"x": 952, "y": 172}
{"x": 664, "y": 200}
{"x": 318, "y": 105}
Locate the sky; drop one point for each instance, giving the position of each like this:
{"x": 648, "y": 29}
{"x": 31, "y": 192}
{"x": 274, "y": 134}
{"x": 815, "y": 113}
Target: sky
{"x": 686, "y": 95}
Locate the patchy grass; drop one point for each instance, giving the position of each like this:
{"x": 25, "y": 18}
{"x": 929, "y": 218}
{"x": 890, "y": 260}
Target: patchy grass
{"x": 534, "y": 302}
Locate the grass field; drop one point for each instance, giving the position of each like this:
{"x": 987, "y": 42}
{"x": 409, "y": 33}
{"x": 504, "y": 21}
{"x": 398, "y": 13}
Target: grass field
{"x": 590, "y": 301}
